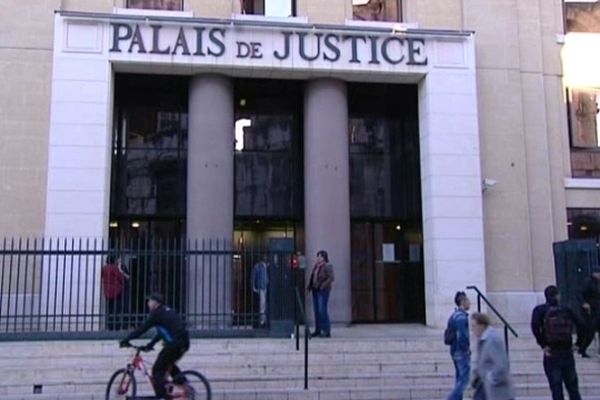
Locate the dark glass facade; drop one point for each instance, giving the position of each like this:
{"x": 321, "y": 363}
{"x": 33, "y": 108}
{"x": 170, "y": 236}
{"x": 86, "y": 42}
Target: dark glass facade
{"x": 268, "y": 150}
{"x": 149, "y": 158}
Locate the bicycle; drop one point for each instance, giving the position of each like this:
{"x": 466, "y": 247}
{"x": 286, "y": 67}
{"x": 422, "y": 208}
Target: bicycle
{"x": 191, "y": 385}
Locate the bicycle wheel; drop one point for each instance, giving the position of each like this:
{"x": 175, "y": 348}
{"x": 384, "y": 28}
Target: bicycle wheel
{"x": 121, "y": 385}
{"x": 196, "y": 386}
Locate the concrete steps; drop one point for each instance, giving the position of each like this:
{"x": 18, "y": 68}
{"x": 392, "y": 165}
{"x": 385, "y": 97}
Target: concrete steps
{"x": 359, "y": 363}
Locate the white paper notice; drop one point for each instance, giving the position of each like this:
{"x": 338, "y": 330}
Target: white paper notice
{"x": 389, "y": 254}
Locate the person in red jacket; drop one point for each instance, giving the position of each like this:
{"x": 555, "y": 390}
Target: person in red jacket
{"x": 114, "y": 280}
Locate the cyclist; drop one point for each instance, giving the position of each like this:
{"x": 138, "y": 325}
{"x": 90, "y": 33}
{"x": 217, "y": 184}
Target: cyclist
{"x": 176, "y": 341}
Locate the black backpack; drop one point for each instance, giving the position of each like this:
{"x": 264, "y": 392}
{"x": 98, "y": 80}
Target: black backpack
{"x": 558, "y": 326}
{"x": 450, "y": 332}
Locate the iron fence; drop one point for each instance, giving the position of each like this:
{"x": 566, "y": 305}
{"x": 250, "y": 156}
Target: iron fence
{"x": 71, "y": 288}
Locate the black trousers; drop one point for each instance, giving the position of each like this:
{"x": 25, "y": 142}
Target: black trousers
{"x": 559, "y": 369}
{"x": 165, "y": 362}
{"x": 590, "y": 326}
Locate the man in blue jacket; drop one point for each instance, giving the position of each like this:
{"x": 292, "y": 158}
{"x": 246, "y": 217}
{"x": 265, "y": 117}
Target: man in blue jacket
{"x": 460, "y": 347}
{"x": 260, "y": 282}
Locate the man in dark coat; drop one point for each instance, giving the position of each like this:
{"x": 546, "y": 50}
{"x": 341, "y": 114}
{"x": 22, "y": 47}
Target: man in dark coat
{"x": 172, "y": 331}
{"x": 590, "y": 310}
{"x": 559, "y": 363}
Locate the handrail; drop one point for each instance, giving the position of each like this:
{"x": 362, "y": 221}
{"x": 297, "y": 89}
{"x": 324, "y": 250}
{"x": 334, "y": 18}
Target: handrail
{"x": 507, "y": 326}
{"x": 306, "y": 335}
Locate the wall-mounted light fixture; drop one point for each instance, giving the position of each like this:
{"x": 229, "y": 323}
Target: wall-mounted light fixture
{"x": 488, "y": 183}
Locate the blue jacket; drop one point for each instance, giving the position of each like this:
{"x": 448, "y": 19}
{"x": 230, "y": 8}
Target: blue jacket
{"x": 260, "y": 278}
{"x": 462, "y": 344}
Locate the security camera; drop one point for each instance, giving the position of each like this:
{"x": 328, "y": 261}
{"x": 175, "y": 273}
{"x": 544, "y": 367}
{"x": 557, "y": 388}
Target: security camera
{"x": 488, "y": 183}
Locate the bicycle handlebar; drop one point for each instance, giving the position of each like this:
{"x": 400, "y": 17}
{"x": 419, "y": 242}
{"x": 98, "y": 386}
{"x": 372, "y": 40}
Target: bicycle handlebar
{"x": 137, "y": 348}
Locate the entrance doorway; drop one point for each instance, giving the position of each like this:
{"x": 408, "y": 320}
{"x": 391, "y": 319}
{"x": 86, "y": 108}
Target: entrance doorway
{"x": 387, "y": 273}
{"x": 385, "y": 204}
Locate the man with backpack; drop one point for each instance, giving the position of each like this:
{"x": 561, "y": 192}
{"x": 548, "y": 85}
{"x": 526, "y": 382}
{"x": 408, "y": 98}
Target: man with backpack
{"x": 553, "y": 326}
{"x": 456, "y": 336}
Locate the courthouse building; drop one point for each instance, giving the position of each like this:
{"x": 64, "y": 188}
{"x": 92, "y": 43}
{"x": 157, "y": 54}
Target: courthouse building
{"x": 425, "y": 144}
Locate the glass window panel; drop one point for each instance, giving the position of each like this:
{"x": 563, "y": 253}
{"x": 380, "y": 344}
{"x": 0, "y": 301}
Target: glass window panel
{"x": 150, "y": 182}
{"x": 377, "y": 10}
{"x": 154, "y": 128}
{"x": 585, "y": 141}
{"x": 271, "y": 8}
{"x": 584, "y": 118}
{"x": 583, "y": 223}
{"x": 174, "y": 5}
{"x": 268, "y": 172}
{"x": 265, "y": 184}
{"x": 266, "y": 133}
{"x": 384, "y": 153}
{"x": 149, "y": 163}
{"x": 582, "y": 16}
{"x": 278, "y": 8}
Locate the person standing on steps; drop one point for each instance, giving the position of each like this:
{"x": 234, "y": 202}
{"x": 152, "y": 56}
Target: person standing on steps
{"x": 590, "y": 311}
{"x": 260, "y": 283}
{"x": 552, "y": 325}
{"x": 456, "y": 336}
{"x": 319, "y": 284}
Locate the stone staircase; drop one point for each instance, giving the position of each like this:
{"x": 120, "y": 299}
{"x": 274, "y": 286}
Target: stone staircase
{"x": 362, "y": 362}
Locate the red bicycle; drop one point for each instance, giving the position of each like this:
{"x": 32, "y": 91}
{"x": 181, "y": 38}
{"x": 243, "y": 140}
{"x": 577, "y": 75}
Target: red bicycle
{"x": 191, "y": 385}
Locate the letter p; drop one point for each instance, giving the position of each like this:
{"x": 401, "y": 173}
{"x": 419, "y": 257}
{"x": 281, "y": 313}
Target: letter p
{"x": 118, "y": 37}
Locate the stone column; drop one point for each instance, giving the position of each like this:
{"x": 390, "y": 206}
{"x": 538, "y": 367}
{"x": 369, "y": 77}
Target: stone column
{"x": 210, "y": 191}
{"x": 326, "y": 187}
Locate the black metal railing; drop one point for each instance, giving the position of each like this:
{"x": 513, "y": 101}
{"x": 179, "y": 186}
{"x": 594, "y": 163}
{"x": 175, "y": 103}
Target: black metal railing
{"x": 68, "y": 288}
{"x": 507, "y": 326}
{"x": 300, "y": 313}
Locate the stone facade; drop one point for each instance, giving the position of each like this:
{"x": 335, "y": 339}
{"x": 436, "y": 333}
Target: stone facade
{"x": 521, "y": 122}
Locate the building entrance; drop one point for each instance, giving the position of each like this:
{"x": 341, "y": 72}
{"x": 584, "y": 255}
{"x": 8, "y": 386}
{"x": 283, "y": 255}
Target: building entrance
{"x": 387, "y": 273}
{"x": 385, "y": 204}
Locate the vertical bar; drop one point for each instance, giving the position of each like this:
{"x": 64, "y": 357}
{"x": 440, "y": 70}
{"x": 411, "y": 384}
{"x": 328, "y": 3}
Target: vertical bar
{"x": 245, "y": 291}
{"x": 64, "y": 285}
{"x": 33, "y": 280}
{"x": 96, "y": 275}
{"x": 48, "y": 282}
{"x": 9, "y": 283}
{"x": 78, "y": 283}
{"x": 17, "y": 283}
{"x": 506, "y": 340}
{"x": 86, "y": 281}
{"x": 203, "y": 282}
{"x": 182, "y": 262}
{"x": 296, "y": 319}
{"x": 25, "y": 285}
{"x": 2, "y": 294}
{"x": 210, "y": 257}
{"x": 194, "y": 281}
{"x": 148, "y": 273}
{"x": 478, "y": 301}
{"x": 218, "y": 268}
{"x": 160, "y": 266}
{"x": 306, "y": 358}
{"x": 42, "y": 253}
{"x": 169, "y": 272}
{"x": 70, "y": 288}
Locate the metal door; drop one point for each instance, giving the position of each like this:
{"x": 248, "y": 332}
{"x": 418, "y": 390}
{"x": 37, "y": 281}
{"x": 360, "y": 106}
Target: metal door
{"x": 574, "y": 261}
